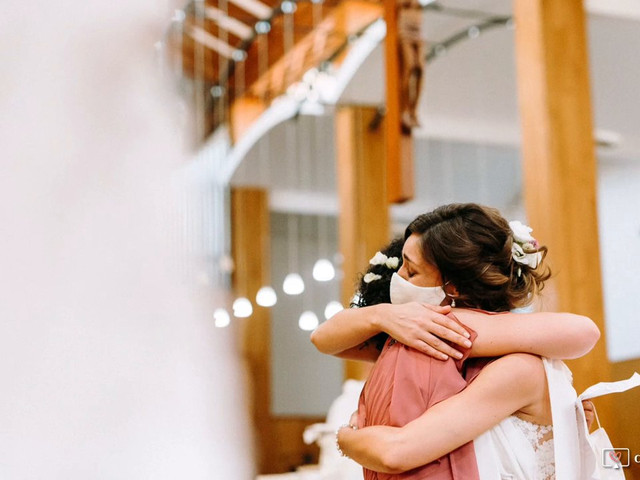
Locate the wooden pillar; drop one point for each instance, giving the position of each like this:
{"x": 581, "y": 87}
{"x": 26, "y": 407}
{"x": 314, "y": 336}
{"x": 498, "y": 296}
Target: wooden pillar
{"x": 399, "y": 146}
{"x": 362, "y": 190}
{"x": 560, "y": 164}
{"x": 251, "y": 254}
{"x": 278, "y": 440}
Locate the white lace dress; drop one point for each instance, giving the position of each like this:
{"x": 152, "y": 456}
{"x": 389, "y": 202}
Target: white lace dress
{"x": 540, "y": 438}
{"x": 516, "y": 449}
{"x": 519, "y": 450}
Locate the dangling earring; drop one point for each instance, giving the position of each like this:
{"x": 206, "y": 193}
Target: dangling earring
{"x": 453, "y": 300}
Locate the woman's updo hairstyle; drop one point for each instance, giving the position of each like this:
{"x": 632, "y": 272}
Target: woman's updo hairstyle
{"x": 471, "y": 246}
{"x": 376, "y": 290}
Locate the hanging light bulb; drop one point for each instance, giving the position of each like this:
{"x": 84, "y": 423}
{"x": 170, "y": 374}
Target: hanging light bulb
{"x": 288, "y": 6}
{"x": 239, "y": 55}
{"x": 221, "y": 318}
{"x": 308, "y": 321}
{"x": 217, "y": 91}
{"x": 332, "y": 308}
{"x": 323, "y": 270}
{"x": 263, "y": 27}
{"x": 293, "y": 284}
{"x": 242, "y": 307}
{"x": 266, "y": 297}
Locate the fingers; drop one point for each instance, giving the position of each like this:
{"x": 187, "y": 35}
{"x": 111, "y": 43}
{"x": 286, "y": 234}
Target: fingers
{"x": 590, "y": 418}
{"x": 354, "y": 418}
{"x": 442, "y": 309}
{"x": 589, "y": 412}
{"x": 454, "y": 336}
{"x": 436, "y": 348}
{"x": 432, "y": 352}
{"x": 445, "y": 321}
{"x": 454, "y": 327}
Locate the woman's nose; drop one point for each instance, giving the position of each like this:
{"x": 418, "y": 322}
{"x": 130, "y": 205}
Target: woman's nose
{"x": 403, "y": 273}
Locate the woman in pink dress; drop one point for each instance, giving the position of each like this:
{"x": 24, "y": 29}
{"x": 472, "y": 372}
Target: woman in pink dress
{"x": 405, "y": 382}
{"x": 467, "y": 254}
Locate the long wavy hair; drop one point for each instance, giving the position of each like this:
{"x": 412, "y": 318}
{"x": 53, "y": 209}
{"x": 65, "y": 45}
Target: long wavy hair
{"x": 470, "y": 245}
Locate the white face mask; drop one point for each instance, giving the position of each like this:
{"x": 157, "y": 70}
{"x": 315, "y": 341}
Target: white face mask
{"x": 403, "y": 291}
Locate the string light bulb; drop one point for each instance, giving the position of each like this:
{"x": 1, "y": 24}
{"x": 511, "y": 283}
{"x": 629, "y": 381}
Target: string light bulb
{"x": 266, "y": 297}
{"x": 239, "y": 55}
{"x": 323, "y": 270}
{"x": 217, "y": 91}
{"x": 308, "y": 321}
{"x": 242, "y": 307}
{"x": 288, "y": 6}
{"x": 221, "y": 318}
{"x": 293, "y": 284}
{"x": 263, "y": 27}
{"x": 332, "y": 308}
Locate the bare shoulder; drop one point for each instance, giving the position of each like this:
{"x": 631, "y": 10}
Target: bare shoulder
{"x": 517, "y": 372}
{"x": 518, "y": 364}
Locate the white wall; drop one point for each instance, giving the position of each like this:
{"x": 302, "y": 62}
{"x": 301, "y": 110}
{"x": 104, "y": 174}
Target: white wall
{"x": 618, "y": 200}
{"x": 304, "y": 381}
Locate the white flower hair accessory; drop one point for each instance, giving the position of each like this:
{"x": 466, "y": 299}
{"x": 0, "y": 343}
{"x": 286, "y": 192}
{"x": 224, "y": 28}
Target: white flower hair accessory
{"x": 381, "y": 259}
{"x": 370, "y": 277}
{"x": 525, "y": 247}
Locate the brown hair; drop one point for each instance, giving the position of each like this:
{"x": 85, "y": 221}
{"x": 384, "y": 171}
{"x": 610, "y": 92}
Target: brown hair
{"x": 470, "y": 245}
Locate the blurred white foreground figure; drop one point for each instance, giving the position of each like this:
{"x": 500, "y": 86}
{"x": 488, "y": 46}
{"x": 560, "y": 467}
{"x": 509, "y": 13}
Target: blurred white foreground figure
{"x": 109, "y": 370}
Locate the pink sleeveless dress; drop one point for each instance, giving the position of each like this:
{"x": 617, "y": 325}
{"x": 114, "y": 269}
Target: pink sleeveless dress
{"x": 402, "y": 385}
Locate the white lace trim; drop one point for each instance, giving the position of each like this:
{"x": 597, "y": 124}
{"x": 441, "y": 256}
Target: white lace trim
{"x": 541, "y": 439}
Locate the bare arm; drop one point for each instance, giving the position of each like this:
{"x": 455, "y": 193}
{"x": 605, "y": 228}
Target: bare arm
{"x": 552, "y": 335}
{"x": 423, "y": 327}
{"x": 509, "y": 384}
{"x": 414, "y": 324}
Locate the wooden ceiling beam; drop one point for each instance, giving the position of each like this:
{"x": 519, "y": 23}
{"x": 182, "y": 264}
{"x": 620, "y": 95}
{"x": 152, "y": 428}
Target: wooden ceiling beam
{"x": 320, "y": 30}
{"x": 254, "y": 7}
{"x": 210, "y": 41}
{"x": 239, "y": 29}
{"x": 320, "y": 43}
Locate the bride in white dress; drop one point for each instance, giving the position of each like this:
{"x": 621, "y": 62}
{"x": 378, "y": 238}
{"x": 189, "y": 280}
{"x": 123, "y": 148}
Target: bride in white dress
{"x": 506, "y": 408}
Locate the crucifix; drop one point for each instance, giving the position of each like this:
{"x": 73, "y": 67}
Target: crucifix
{"x": 405, "y": 58}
